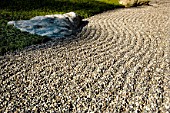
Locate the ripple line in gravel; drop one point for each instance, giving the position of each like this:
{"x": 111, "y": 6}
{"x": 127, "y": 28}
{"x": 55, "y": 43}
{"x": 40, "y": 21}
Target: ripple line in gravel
{"x": 119, "y": 62}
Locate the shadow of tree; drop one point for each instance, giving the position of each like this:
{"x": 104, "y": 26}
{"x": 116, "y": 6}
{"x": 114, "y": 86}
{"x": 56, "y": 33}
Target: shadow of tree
{"x": 28, "y": 5}
{"x": 90, "y": 6}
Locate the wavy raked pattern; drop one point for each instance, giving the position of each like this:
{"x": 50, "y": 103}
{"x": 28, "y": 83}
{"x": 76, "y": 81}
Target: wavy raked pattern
{"x": 118, "y": 63}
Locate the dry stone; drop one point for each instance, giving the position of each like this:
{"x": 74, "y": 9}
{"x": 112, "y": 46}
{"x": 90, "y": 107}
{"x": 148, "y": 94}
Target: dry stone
{"x": 119, "y": 63}
{"x": 54, "y": 26}
{"x": 129, "y": 3}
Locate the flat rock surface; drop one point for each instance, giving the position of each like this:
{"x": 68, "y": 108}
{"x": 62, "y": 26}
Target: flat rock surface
{"x": 118, "y": 63}
{"x": 130, "y": 3}
{"x": 53, "y": 26}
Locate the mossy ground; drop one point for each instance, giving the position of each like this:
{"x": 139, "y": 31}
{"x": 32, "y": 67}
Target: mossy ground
{"x": 12, "y": 39}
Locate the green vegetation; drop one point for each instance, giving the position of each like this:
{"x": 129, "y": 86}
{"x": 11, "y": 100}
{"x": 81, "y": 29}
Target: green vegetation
{"x": 12, "y": 39}
{"x": 115, "y": 2}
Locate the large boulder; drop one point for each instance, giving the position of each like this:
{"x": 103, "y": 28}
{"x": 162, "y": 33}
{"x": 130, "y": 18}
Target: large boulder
{"x": 130, "y": 3}
{"x": 54, "y": 26}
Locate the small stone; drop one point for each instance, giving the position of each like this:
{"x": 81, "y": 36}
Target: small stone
{"x": 34, "y": 108}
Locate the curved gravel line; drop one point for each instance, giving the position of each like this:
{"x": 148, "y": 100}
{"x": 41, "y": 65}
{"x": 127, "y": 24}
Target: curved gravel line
{"x": 118, "y": 63}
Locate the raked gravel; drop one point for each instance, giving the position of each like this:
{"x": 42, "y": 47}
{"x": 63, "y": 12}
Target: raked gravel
{"x": 118, "y": 63}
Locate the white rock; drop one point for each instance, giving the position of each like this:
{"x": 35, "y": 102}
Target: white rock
{"x": 54, "y": 26}
{"x": 11, "y": 22}
{"x": 129, "y": 3}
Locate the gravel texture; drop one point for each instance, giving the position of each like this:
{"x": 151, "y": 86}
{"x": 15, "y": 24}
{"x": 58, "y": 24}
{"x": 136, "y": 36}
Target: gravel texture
{"x": 118, "y": 63}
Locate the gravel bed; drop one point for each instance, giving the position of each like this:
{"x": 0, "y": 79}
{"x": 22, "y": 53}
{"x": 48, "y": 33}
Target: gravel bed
{"x": 119, "y": 62}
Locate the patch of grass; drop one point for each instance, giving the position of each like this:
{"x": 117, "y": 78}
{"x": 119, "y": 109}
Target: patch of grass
{"x": 12, "y": 39}
{"x": 115, "y": 2}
